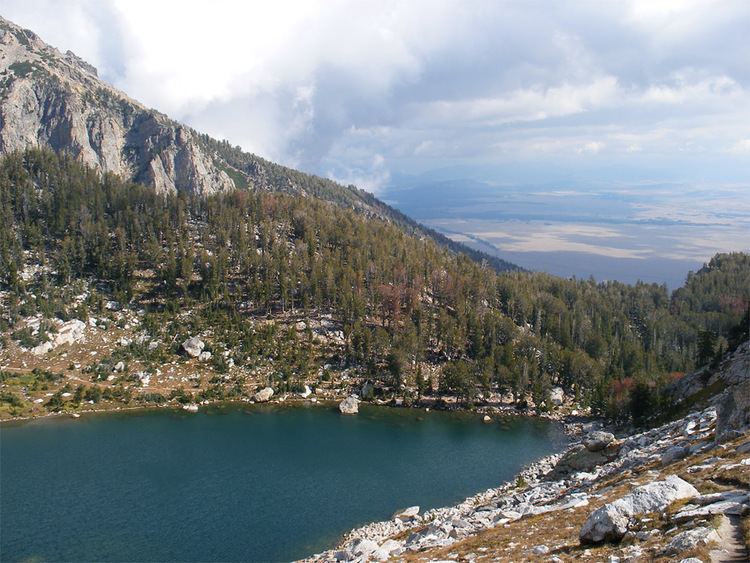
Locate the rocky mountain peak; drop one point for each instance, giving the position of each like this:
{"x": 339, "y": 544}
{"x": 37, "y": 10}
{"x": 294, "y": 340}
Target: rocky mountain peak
{"x": 57, "y": 100}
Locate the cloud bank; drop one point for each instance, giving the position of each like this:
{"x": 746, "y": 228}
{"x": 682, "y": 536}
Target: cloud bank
{"x": 358, "y": 90}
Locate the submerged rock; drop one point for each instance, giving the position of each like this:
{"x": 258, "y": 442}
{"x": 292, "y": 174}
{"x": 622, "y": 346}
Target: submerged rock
{"x": 350, "y": 405}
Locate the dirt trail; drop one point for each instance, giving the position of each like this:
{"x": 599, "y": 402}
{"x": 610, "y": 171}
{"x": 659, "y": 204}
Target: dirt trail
{"x": 732, "y": 548}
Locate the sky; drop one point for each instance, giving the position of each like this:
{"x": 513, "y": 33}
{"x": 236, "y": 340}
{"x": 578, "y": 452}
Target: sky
{"x": 370, "y": 92}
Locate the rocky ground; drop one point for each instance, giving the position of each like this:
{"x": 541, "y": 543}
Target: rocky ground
{"x": 678, "y": 492}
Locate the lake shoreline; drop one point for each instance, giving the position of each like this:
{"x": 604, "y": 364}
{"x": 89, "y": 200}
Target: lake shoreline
{"x": 571, "y": 423}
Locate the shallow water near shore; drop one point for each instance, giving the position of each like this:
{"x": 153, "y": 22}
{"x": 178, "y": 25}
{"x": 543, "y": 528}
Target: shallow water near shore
{"x": 241, "y": 483}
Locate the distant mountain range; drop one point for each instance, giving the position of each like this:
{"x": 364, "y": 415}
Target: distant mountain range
{"x": 56, "y": 100}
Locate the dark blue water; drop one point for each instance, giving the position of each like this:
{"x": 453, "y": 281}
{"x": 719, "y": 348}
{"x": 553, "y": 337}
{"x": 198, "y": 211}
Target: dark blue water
{"x": 234, "y": 484}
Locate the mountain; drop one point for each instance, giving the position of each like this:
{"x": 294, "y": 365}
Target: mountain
{"x": 57, "y": 100}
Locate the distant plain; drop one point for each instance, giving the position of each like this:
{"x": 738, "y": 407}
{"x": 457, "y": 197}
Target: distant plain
{"x": 649, "y": 232}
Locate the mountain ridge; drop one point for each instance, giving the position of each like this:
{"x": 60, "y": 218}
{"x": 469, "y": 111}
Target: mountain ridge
{"x": 57, "y": 100}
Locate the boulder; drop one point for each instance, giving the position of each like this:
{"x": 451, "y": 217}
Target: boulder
{"x": 350, "y": 405}
{"x": 579, "y": 458}
{"x": 264, "y": 395}
{"x": 611, "y": 521}
{"x": 597, "y": 441}
{"x": 674, "y": 453}
{"x": 557, "y": 396}
{"x": 486, "y": 419}
{"x": 691, "y": 539}
{"x": 407, "y": 513}
{"x": 733, "y": 411}
{"x": 193, "y": 346}
{"x": 364, "y": 547}
{"x": 204, "y": 356}
{"x": 306, "y": 393}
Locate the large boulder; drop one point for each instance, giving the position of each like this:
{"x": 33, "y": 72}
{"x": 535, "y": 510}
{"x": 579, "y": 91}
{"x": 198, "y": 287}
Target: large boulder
{"x": 579, "y": 458}
{"x": 557, "y": 396}
{"x": 193, "y": 346}
{"x": 407, "y": 513}
{"x": 264, "y": 395}
{"x": 733, "y": 411}
{"x": 611, "y": 521}
{"x": 597, "y": 441}
{"x": 350, "y": 405}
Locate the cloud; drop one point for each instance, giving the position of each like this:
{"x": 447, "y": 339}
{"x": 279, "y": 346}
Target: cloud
{"x": 741, "y": 147}
{"x": 326, "y": 84}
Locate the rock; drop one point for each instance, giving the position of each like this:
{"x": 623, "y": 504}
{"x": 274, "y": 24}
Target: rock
{"x": 119, "y": 366}
{"x": 204, "y": 356}
{"x": 673, "y": 454}
{"x": 486, "y": 419}
{"x": 67, "y": 333}
{"x": 744, "y": 448}
{"x": 690, "y": 539}
{"x": 306, "y": 393}
{"x": 691, "y": 560}
{"x": 263, "y": 396}
{"x": 190, "y": 408}
{"x": 579, "y": 458}
{"x": 733, "y": 411}
{"x": 388, "y": 549}
{"x": 350, "y": 405}
{"x": 557, "y": 396}
{"x": 597, "y": 441}
{"x": 364, "y": 547}
{"x": 193, "y": 346}
{"x": 611, "y": 521}
{"x": 540, "y": 550}
{"x": 407, "y": 513}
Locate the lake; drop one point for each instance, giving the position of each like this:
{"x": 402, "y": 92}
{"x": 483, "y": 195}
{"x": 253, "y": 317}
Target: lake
{"x": 240, "y": 484}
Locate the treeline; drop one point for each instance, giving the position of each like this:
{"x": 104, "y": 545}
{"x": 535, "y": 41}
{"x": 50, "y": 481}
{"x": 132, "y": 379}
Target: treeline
{"x": 405, "y": 304}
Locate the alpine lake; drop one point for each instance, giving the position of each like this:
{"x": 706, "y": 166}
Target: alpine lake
{"x": 241, "y": 483}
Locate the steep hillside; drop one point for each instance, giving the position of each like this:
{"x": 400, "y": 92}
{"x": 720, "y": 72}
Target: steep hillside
{"x": 56, "y": 100}
{"x": 102, "y": 281}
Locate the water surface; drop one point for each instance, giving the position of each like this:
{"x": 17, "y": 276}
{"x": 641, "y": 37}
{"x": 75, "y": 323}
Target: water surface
{"x": 234, "y": 484}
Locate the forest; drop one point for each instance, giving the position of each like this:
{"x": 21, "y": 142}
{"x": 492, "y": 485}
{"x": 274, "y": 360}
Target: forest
{"x": 413, "y": 313}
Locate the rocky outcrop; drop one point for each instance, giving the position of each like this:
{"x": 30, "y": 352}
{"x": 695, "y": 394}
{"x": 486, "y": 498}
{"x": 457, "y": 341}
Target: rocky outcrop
{"x": 57, "y": 100}
{"x": 611, "y": 521}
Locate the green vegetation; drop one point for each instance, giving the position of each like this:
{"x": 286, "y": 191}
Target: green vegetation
{"x": 248, "y": 263}
{"x": 22, "y": 69}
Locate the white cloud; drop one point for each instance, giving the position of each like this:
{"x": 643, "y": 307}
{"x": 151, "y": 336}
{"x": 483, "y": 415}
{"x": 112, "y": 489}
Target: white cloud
{"x": 741, "y": 147}
{"x": 327, "y": 84}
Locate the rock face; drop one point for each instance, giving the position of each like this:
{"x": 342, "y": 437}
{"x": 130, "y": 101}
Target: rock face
{"x": 350, "y": 405}
{"x": 611, "y": 521}
{"x": 264, "y": 395}
{"x": 55, "y": 100}
{"x": 193, "y": 347}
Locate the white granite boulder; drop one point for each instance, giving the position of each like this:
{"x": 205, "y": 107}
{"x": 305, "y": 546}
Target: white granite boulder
{"x": 611, "y": 521}
{"x": 193, "y": 346}
{"x": 350, "y": 405}
{"x": 263, "y": 396}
